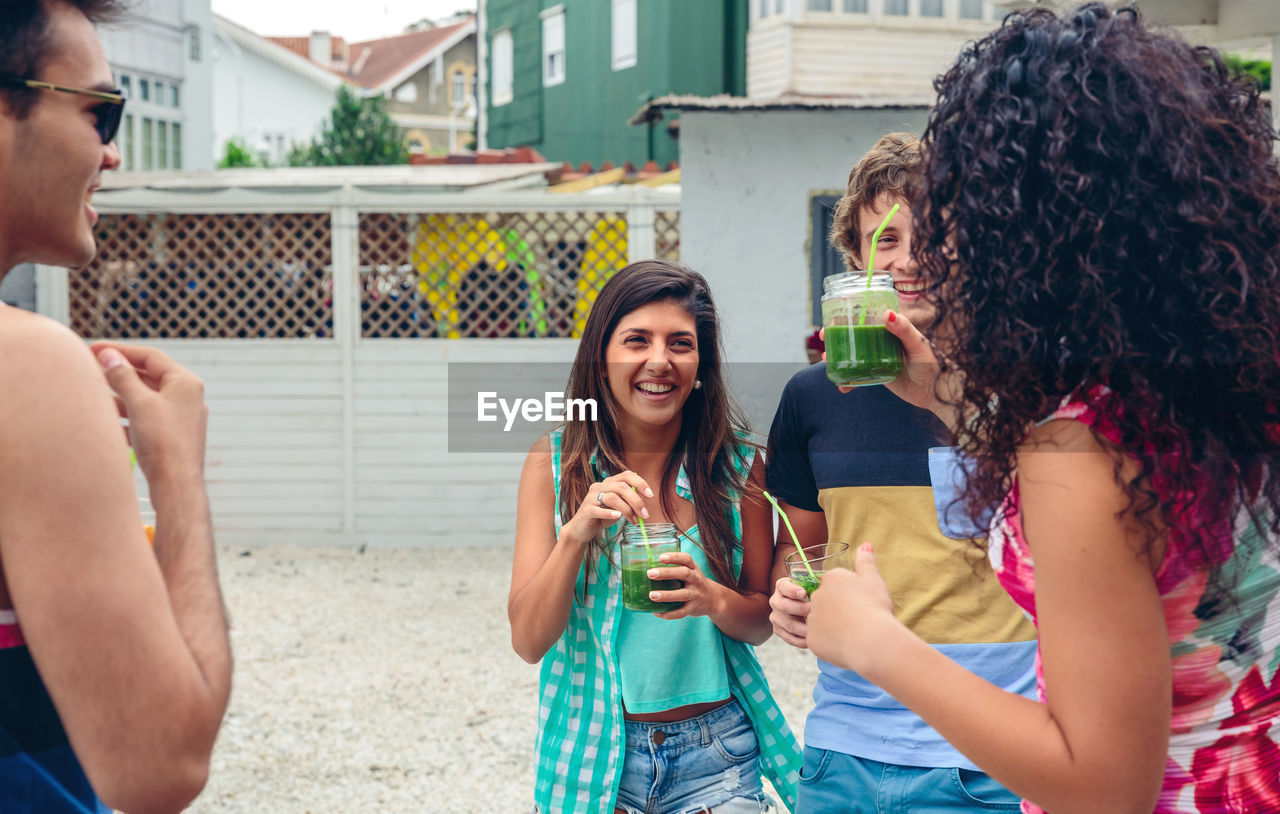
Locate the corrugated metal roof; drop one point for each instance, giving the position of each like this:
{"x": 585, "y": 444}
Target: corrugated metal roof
{"x": 437, "y": 178}
{"x": 729, "y": 104}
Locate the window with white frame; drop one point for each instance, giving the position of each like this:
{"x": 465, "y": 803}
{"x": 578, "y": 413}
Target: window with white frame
{"x": 971, "y": 9}
{"x": 855, "y": 6}
{"x": 624, "y": 34}
{"x": 898, "y": 8}
{"x": 819, "y": 5}
{"x": 124, "y": 142}
{"x": 553, "y": 49}
{"x": 930, "y": 8}
{"x": 503, "y": 69}
{"x": 458, "y": 97}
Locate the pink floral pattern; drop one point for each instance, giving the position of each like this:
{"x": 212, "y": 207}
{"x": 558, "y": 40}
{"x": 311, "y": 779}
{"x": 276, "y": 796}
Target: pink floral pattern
{"x": 1224, "y": 744}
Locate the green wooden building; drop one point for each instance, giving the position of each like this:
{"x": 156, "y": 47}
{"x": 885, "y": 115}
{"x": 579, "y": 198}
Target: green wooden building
{"x": 564, "y": 77}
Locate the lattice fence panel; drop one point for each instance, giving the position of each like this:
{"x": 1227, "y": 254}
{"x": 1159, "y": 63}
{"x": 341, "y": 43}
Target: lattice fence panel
{"x": 666, "y": 234}
{"x": 169, "y": 276}
{"x": 496, "y": 274}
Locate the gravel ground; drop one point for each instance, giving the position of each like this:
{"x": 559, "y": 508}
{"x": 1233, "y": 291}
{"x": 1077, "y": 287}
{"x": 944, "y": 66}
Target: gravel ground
{"x": 367, "y": 682}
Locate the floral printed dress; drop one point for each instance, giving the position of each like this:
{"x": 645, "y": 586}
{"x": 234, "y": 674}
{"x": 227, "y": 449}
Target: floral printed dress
{"x": 1224, "y": 744}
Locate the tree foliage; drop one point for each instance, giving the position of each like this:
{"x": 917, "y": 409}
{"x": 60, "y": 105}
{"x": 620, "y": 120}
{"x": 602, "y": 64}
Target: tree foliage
{"x": 236, "y": 154}
{"x": 358, "y": 132}
{"x": 1259, "y": 69}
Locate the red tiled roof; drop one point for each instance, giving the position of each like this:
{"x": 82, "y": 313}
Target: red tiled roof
{"x": 387, "y": 55}
{"x": 390, "y": 55}
{"x": 302, "y": 46}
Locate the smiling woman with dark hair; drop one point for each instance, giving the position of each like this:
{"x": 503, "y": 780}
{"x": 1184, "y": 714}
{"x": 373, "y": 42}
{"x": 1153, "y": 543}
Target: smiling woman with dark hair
{"x": 1100, "y": 225}
{"x": 649, "y": 712}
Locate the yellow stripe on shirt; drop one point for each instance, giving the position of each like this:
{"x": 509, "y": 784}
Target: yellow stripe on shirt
{"x": 943, "y": 589}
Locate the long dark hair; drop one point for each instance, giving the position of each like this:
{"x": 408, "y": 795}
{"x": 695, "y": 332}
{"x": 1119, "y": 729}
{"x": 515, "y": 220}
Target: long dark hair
{"x": 711, "y": 430}
{"x": 1101, "y": 208}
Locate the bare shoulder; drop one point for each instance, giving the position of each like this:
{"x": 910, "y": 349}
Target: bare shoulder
{"x": 1063, "y": 435}
{"x": 35, "y": 344}
{"x": 537, "y": 465}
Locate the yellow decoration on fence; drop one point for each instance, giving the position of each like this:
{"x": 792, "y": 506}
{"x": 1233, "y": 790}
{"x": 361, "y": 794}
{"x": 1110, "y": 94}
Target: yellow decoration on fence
{"x": 445, "y": 249}
{"x": 606, "y": 252}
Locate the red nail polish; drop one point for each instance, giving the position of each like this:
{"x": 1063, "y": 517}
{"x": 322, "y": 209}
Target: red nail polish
{"x": 892, "y": 317}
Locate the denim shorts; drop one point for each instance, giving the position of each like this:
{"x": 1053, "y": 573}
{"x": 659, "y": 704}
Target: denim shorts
{"x": 710, "y": 762}
{"x": 833, "y": 781}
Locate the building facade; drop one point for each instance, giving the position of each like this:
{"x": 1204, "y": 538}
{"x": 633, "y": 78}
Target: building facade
{"x": 161, "y": 60}
{"x": 564, "y": 77}
{"x": 858, "y": 47}
{"x": 426, "y": 74}
{"x": 266, "y": 97}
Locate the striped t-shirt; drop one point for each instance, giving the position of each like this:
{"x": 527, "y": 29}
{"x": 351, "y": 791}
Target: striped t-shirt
{"x": 874, "y": 466}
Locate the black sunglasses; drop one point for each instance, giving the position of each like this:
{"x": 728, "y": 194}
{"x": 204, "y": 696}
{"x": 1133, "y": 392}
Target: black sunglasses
{"x": 109, "y": 114}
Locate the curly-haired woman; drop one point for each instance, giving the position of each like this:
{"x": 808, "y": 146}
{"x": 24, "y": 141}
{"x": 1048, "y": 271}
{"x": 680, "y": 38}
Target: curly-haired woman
{"x": 1100, "y": 224}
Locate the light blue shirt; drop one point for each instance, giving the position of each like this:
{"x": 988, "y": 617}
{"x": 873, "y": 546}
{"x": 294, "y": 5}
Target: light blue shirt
{"x": 668, "y": 663}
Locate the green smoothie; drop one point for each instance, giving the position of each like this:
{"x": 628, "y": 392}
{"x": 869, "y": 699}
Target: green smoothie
{"x": 636, "y": 586}
{"x": 862, "y": 354}
{"x": 809, "y": 582}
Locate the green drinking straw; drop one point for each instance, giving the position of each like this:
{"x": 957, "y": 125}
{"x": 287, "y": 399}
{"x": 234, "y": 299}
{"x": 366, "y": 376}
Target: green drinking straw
{"x": 644, "y": 535}
{"x": 794, "y": 538}
{"x": 871, "y": 255}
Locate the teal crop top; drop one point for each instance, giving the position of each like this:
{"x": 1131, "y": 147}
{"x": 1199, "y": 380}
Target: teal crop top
{"x": 667, "y": 663}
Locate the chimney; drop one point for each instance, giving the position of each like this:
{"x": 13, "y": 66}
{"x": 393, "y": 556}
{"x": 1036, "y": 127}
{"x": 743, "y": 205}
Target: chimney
{"x": 321, "y": 49}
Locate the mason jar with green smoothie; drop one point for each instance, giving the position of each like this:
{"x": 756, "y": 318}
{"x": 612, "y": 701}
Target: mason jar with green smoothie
{"x": 860, "y": 349}
{"x": 641, "y": 548}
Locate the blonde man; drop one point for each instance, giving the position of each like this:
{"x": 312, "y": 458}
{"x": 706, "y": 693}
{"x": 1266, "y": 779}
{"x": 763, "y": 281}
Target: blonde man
{"x": 865, "y": 465}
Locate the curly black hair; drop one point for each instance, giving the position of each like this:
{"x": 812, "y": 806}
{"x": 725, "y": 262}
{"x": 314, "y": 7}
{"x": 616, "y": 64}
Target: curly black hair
{"x": 1101, "y": 208}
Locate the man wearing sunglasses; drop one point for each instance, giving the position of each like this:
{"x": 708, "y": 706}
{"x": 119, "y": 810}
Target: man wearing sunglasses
{"x": 115, "y": 666}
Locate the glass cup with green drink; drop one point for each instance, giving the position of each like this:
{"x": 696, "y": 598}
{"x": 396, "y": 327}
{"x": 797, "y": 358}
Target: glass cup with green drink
{"x": 860, "y": 349}
{"x": 807, "y": 571}
{"x": 642, "y": 545}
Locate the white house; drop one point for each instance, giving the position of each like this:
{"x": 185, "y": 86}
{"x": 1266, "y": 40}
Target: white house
{"x": 161, "y": 60}
{"x": 265, "y": 95}
{"x": 427, "y": 74}
{"x": 858, "y": 47}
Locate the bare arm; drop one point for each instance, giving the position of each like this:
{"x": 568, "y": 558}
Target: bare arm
{"x": 789, "y": 602}
{"x": 1099, "y": 745}
{"x": 742, "y": 616}
{"x": 545, "y": 566}
{"x": 137, "y": 662}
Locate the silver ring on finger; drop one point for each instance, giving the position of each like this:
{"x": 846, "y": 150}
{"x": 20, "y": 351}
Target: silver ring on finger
{"x": 600, "y": 497}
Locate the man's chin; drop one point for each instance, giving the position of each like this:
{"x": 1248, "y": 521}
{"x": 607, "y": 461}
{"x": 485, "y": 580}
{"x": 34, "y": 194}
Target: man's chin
{"x": 921, "y": 315}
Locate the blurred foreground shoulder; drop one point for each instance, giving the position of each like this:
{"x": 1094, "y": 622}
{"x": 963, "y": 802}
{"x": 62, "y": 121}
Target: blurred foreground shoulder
{"x": 36, "y": 344}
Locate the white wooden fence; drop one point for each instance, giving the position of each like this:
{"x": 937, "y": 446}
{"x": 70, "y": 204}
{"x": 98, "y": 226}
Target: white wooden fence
{"x": 340, "y": 437}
